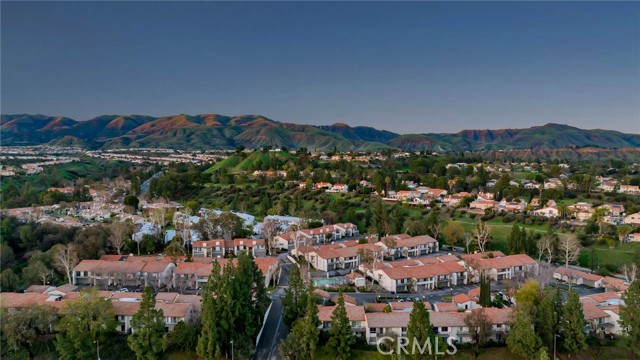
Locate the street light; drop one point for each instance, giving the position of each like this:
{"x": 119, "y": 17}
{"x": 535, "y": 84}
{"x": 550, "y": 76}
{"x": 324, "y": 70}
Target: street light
{"x": 231, "y": 349}
{"x": 555, "y": 337}
{"x": 98, "y": 348}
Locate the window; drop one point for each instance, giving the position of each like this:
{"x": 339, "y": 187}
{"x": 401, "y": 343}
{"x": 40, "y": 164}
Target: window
{"x": 444, "y": 329}
{"x": 372, "y": 330}
{"x": 499, "y": 326}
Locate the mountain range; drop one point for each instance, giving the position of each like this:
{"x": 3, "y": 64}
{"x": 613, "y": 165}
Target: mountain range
{"x": 213, "y": 131}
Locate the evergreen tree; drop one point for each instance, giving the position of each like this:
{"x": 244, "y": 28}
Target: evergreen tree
{"x": 630, "y": 317}
{"x": 340, "y": 334}
{"x": 572, "y": 325}
{"x": 515, "y": 242}
{"x": 86, "y": 320}
{"x": 420, "y": 332}
{"x": 522, "y": 340}
{"x": 295, "y": 300}
{"x": 485, "y": 290}
{"x": 147, "y": 339}
{"x": 208, "y": 341}
{"x": 547, "y": 320}
{"x": 309, "y": 331}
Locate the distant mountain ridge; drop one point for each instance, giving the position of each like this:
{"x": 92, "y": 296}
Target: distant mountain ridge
{"x": 214, "y": 131}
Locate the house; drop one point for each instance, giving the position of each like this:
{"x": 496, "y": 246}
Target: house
{"x": 464, "y": 301}
{"x": 578, "y": 277}
{"x": 548, "y": 212}
{"x": 322, "y": 185}
{"x": 255, "y": 247}
{"x": 379, "y": 325}
{"x": 607, "y": 186}
{"x": 210, "y": 248}
{"x": 175, "y": 307}
{"x": 407, "y": 195}
{"x": 629, "y": 189}
{"x": 126, "y": 271}
{"x": 345, "y": 230}
{"x": 355, "y": 314}
{"x": 339, "y": 188}
{"x": 415, "y": 246}
{"x": 408, "y": 246}
{"x": 512, "y": 206}
{"x": 482, "y": 204}
{"x": 499, "y": 267}
{"x": 455, "y": 199}
{"x": 615, "y": 210}
{"x": 635, "y": 237}
{"x": 421, "y": 277}
{"x": 632, "y": 219}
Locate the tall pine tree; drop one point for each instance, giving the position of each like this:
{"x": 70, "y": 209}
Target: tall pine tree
{"x": 522, "y": 340}
{"x": 485, "y": 290}
{"x": 147, "y": 339}
{"x": 547, "y": 320}
{"x": 572, "y": 325}
{"x": 340, "y": 334}
{"x": 295, "y": 298}
{"x": 630, "y": 317}
{"x": 311, "y": 324}
{"x": 209, "y": 341}
{"x": 515, "y": 242}
{"x": 420, "y": 332}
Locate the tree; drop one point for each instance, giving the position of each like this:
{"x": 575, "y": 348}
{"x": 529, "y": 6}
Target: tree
{"x": 420, "y": 331}
{"x": 131, "y": 201}
{"x": 8, "y": 280}
{"x": 522, "y": 340}
{"x": 147, "y": 339}
{"x": 479, "y": 328}
{"x": 630, "y": 318}
{"x": 174, "y": 250}
{"x": 183, "y": 337}
{"x": 623, "y": 231}
{"x": 230, "y": 224}
{"x": 547, "y": 319}
{"x": 391, "y": 243}
{"x": 485, "y": 290}
{"x": 87, "y": 319}
{"x": 569, "y": 248}
{"x": 515, "y": 243}
{"x": 270, "y": 229}
{"x": 303, "y": 339}
{"x": 547, "y": 246}
{"x": 572, "y": 324}
{"x": 295, "y": 297}
{"x": 453, "y": 233}
{"x": 528, "y": 296}
{"x": 290, "y": 347}
{"x": 209, "y": 345}
{"x": 21, "y": 328}
{"x": 630, "y": 272}
{"x": 340, "y": 334}
{"x": 119, "y": 235}
{"x": 415, "y": 227}
{"x": 369, "y": 259}
{"x": 482, "y": 235}
{"x": 65, "y": 259}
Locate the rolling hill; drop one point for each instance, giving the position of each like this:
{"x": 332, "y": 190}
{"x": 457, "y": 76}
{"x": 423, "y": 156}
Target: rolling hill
{"x": 214, "y": 131}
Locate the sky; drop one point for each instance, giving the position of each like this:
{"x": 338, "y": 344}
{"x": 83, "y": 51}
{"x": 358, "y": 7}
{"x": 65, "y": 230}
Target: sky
{"x": 407, "y": 67}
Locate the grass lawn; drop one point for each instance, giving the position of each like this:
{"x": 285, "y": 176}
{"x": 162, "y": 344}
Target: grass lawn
{"x": 620, "y": 255}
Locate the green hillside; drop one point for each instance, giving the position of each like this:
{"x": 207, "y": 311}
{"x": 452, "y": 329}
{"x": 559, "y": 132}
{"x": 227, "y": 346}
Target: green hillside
{"x": 256, "y": 160}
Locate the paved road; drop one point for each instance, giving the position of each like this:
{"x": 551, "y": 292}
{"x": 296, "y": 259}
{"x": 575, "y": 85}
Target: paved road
{"x": 274, "y": 330}
{"x": 145, "y": 185}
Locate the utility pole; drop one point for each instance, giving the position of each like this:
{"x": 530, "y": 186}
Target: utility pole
{"x": 232, "y": 350}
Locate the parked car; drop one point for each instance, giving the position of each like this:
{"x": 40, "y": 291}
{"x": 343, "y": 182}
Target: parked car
{"x": 123, "y": 290}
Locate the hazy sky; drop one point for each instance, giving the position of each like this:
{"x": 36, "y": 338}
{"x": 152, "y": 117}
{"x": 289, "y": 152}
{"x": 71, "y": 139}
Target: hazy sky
{"x": 407, "y": 67}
